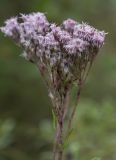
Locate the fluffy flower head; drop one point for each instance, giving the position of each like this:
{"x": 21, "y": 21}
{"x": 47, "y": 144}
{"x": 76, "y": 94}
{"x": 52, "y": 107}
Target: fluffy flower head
{"x": 63, "y": 51}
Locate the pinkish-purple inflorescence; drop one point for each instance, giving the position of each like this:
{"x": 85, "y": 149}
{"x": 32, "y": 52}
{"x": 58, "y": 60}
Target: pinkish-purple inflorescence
{"x": 64, "y": 55}
{"x": 67, "y": 48}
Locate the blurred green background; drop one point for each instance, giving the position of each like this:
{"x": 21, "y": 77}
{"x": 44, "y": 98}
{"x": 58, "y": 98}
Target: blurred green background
{"x": 26, "y": 131}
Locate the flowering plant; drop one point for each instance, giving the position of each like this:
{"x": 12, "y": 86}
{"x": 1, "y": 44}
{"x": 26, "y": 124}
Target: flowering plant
{"x": 64, "y": 55}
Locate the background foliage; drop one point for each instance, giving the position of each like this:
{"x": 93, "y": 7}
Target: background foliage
{"x": 26, "y": 131}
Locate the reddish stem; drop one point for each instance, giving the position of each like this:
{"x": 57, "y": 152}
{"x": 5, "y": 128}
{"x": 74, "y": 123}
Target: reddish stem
{"x": 75, "y": 107}
{"x": 58, "y": 149}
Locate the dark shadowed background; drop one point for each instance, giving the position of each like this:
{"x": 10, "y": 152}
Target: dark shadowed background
{"x": 26, "y": 131}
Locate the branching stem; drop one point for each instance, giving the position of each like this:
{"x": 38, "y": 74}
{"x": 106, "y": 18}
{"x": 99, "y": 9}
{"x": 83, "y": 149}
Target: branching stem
{"x": 75, "y": 107}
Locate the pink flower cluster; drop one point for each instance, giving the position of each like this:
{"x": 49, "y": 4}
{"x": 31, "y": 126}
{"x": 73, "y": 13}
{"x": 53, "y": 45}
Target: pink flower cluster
{"x": 67, "y": 48}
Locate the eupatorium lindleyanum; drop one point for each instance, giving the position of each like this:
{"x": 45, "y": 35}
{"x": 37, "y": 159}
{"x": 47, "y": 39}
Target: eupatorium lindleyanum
{"x": 64, "y": 54}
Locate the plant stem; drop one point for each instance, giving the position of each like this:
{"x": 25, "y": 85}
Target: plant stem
{"x": 75, "y": 107}
{"x": 60, "y": 118}
{"x": 80, "y": 85}
{"x": 58, "y": 149}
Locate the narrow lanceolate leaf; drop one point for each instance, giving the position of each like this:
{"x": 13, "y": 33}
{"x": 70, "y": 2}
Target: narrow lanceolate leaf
{"x": 66, "y": 140}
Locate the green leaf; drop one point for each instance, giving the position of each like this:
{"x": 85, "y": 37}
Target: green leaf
{"x": 66, "y": 141}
